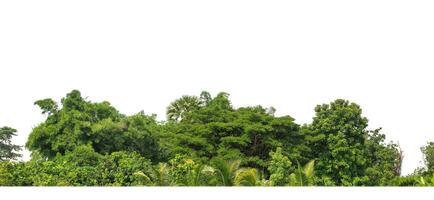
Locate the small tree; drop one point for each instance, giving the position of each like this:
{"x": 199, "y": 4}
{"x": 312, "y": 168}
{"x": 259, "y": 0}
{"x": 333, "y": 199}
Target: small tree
{"x": 8, "y": 151}
{"x": 428, "y": 156}
{"x": 279, "y": 168}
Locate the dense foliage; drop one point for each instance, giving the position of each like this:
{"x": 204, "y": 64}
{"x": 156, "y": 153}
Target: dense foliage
{"x": 8, "y": 151}
{"x": 204, "y": 142}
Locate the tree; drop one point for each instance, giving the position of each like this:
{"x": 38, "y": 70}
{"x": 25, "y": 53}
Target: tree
{"x": 345, "y": 150}
{"x": 8, "y": 151}
{"x": 206, "y": 142}
{"x": 246, "y": 133}
{"x": 186, "y": 172}
{"x": 6, "y": 174}
{"x": 160, "y": 175}
{"x": 125, "y": 169}
{"x": 182, "y": 108}
{"x": 132, "y": 133}
{"x": 247, "y": 177}
{"x": 279, "y": 168}
{"x": 205, "y": 98}
{"x": 68, "y": 127}
{"x": 48, "y": 106}
{"x": 80, "y": 122}
{"x": 384, "y": 161}
{"x": 180, "y": 170}
{"x": 428, "y": 156}
{"x": 226, "y": 171}
{"x": 229, "y": 173}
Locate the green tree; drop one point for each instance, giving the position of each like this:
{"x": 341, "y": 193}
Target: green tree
{"x": 160, "y": 175}
{"x": 345, "y": 150}
{"x": 8, "y": 151}
{"x": 68, "y": 127}
{"x": 48, "y": 106}
{"x": 246, "y": 133}
{"x": 428, "y": 156}
{"x": 6, "y": 173}
{"x": 229, "y": 173}
{"x": 226, "y": 171}
{"x": 125, "y": 169}
{"x": 205, "y": 142}
{"x": 137, "y": 133}
{"x": 182, "y": 108}
{"x": 279, "y": 168}
{"x": 384, "y": 161}
{"x": 186, "y": 172}
{"x": 99, "y": 125}
{"x": 247, "y": 177}
{"x": 205, "y": 98}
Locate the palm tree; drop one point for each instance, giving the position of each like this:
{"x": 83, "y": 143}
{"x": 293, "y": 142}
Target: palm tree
{"x": 303, "y": 176}
{"x": 229, "y": 173}
{"x": 182, "y": 108}
{"x": 141, "y": 178}
{"x": 226, "y": 171}
{"x": 247, "y": 177}
{"x": 201, "y": 175}
{"x": 161, "y": 175}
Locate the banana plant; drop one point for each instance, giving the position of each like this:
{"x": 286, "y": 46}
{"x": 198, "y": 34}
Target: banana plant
{"x": 303, "y": 176}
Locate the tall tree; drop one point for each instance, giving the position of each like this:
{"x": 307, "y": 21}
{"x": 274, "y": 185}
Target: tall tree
{"x": 182, "y": 108}
{"x": 247, "y": 133}
{"x": 383, "y": 160}
{"x": 345, "y": 149}
{"x": 99, "y": 125}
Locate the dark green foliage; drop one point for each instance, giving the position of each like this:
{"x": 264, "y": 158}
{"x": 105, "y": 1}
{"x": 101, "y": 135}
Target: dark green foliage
{"x": 249, "y": 134}
{"x": 428, "y": 155}
{"x": 82, "y": 167}
{"x": 204, "y": 142}
{"x": 346, "y": 152}
{"x": 133, "y": 133}
{"x": 384, "y": 160}
{"x": 182, "y": 108}
{"x": 8, "y": 151}
{"x": 48, "y": 106}
{"x": 99, "y": 125}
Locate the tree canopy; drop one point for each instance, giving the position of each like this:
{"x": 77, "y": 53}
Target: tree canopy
{"x": 8, "y": 151}
{"x": 205, "y": 141}
{"x": 99, "y": 125}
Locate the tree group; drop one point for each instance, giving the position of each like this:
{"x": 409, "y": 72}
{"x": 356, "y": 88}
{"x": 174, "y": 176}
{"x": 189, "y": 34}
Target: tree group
{"x": 204, "y": 142}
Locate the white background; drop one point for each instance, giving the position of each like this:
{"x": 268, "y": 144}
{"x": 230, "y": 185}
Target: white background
{"x": 210, "y": 193}
{"x": 293, "y": 55}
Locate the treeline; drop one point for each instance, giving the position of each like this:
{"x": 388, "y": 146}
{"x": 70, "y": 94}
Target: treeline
{"x": 205, "y": 141}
